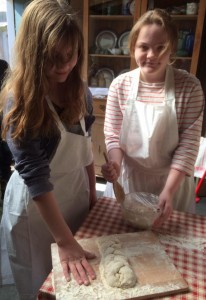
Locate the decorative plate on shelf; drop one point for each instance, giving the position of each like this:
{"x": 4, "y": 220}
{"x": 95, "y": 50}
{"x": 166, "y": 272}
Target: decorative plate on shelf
{"x": 106, "y": 39}
{"x": 107, "y": 74}
{"x": 123, "y": 40}
{"x": 132, "y": 7}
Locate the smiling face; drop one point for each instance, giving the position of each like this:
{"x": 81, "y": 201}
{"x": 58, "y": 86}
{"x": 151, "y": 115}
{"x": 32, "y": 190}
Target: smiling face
{"x": 63, "y": 62}
{"x": 152, "y": 53}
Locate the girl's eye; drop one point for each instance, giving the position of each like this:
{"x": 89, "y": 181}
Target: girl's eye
{"x": 60, "y": 59}
{"x": 143, "y": 47}
{"x": 161, "y": 47}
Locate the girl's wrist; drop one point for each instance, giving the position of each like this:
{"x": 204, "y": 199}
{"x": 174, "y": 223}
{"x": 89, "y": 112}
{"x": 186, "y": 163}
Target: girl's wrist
{"x": 64, "y": 240}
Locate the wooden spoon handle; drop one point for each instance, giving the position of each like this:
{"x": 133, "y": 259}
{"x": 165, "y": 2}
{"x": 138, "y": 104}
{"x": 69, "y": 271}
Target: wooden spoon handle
{"x": 118, "y": 189}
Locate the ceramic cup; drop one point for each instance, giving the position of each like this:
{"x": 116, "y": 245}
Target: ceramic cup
{"x": 191, "y": 8}
{"x": 115, "y": 51}
{"x": 125, "y": 51}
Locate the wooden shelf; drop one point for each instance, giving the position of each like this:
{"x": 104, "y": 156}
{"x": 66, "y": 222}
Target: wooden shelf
{"x": 108, "y": 55}
{"x": 112, "y": 17}
{"x": 184, "y": 17}
{"x": 130, "y": 17}
{"x": 128, "y": 56}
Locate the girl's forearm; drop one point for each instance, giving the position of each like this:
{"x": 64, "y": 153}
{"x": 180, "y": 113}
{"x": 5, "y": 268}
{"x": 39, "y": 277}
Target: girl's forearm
{"x": 49, "y": 210}
{"x": 174, "y": 180}
{"x": 116, "y": 155}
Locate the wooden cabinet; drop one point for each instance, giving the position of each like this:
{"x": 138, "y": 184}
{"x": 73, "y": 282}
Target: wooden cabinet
{"x": 98, "y": 134}
{"x": 106, "y": 15}
{"x": 96, "y": 20}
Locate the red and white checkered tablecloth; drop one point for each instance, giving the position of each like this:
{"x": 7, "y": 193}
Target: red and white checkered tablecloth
{"x": 183, "y": 237}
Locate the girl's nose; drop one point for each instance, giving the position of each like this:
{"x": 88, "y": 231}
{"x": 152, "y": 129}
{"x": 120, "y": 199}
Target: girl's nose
{"x": 63, "y": 63}
{"x": 151, "y": 53}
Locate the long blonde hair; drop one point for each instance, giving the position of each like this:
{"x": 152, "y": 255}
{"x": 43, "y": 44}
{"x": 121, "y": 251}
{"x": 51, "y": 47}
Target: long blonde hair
{"x": 44, "y": 24}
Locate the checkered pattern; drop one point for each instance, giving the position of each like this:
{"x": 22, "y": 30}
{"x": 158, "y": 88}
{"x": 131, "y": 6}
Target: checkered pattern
{"x": 47, "y": 290}
{"x": 106, "y": 218}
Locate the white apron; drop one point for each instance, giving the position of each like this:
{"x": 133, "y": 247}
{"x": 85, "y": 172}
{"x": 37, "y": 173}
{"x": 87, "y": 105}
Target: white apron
{"x": 148, "y": 137}
{"x": 27, "y": 237}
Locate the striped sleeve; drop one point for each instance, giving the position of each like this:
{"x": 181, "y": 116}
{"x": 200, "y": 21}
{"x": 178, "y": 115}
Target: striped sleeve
{"x": 116, "y": 102}
{"x": 189, "y": 109}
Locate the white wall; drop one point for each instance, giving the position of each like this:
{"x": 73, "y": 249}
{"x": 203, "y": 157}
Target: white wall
{"x": 4, "y": 49}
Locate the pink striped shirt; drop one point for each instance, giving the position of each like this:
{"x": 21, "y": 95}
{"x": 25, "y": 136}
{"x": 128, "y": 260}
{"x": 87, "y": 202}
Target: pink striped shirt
{"x": 189, "y": 109}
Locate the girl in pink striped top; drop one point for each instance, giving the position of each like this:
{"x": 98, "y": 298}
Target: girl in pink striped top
{"x": 153, "y": 120}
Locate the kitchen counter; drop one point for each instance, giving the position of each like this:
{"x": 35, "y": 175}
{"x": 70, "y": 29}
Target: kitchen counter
{"x": 183, "y": 237}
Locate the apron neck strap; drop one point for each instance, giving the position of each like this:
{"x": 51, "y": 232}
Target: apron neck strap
{"x": 169, "y": 83}
{"x": 82, "y": 122}
{"x": 60, "y": 124}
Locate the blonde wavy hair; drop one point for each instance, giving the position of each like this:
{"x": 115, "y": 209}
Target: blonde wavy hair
{"x": 44, "y": 24}
{"x": 160, "y": 17}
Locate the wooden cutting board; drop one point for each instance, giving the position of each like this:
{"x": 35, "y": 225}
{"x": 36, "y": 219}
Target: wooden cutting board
{"x": 156, "y": 274}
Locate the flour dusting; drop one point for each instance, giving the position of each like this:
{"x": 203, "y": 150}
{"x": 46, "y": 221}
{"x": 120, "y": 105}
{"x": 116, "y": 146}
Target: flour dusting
{"x": 189, "y": 243}
{"x": 155, "y": 273}
{"x": 99, "y": 292}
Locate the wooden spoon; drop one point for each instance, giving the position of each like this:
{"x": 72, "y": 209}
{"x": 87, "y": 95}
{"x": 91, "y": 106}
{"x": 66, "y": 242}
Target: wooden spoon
{"x": 118, "y": 189}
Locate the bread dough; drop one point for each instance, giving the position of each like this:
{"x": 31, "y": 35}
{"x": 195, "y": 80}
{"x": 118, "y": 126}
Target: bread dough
{"x": 114, "y": 266}
{"x": 140, "y": 209}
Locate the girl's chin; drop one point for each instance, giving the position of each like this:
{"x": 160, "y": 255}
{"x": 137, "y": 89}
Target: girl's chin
{"x": 60, "y": 78}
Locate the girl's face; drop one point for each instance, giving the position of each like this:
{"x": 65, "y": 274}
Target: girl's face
{"x": 149, "y": 55}
{"x": 64, "y": 61}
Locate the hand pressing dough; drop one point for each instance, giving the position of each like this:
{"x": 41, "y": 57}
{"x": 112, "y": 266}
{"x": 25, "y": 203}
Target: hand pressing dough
{"x": 114, "y": 266}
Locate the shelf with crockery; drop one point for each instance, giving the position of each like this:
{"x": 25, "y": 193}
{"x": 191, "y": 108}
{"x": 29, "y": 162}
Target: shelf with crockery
{"x": 106, "y": 26}
{"x": 108, "y": 47}
{"x": 185, "y": 17}
{"x": 111, "y": 17}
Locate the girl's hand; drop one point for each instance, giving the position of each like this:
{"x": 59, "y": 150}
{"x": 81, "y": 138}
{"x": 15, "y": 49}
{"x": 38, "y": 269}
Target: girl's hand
{"x": 110, "y": 171}
{"x": 165, "y": 206}
{"x": 74, "y": 260}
